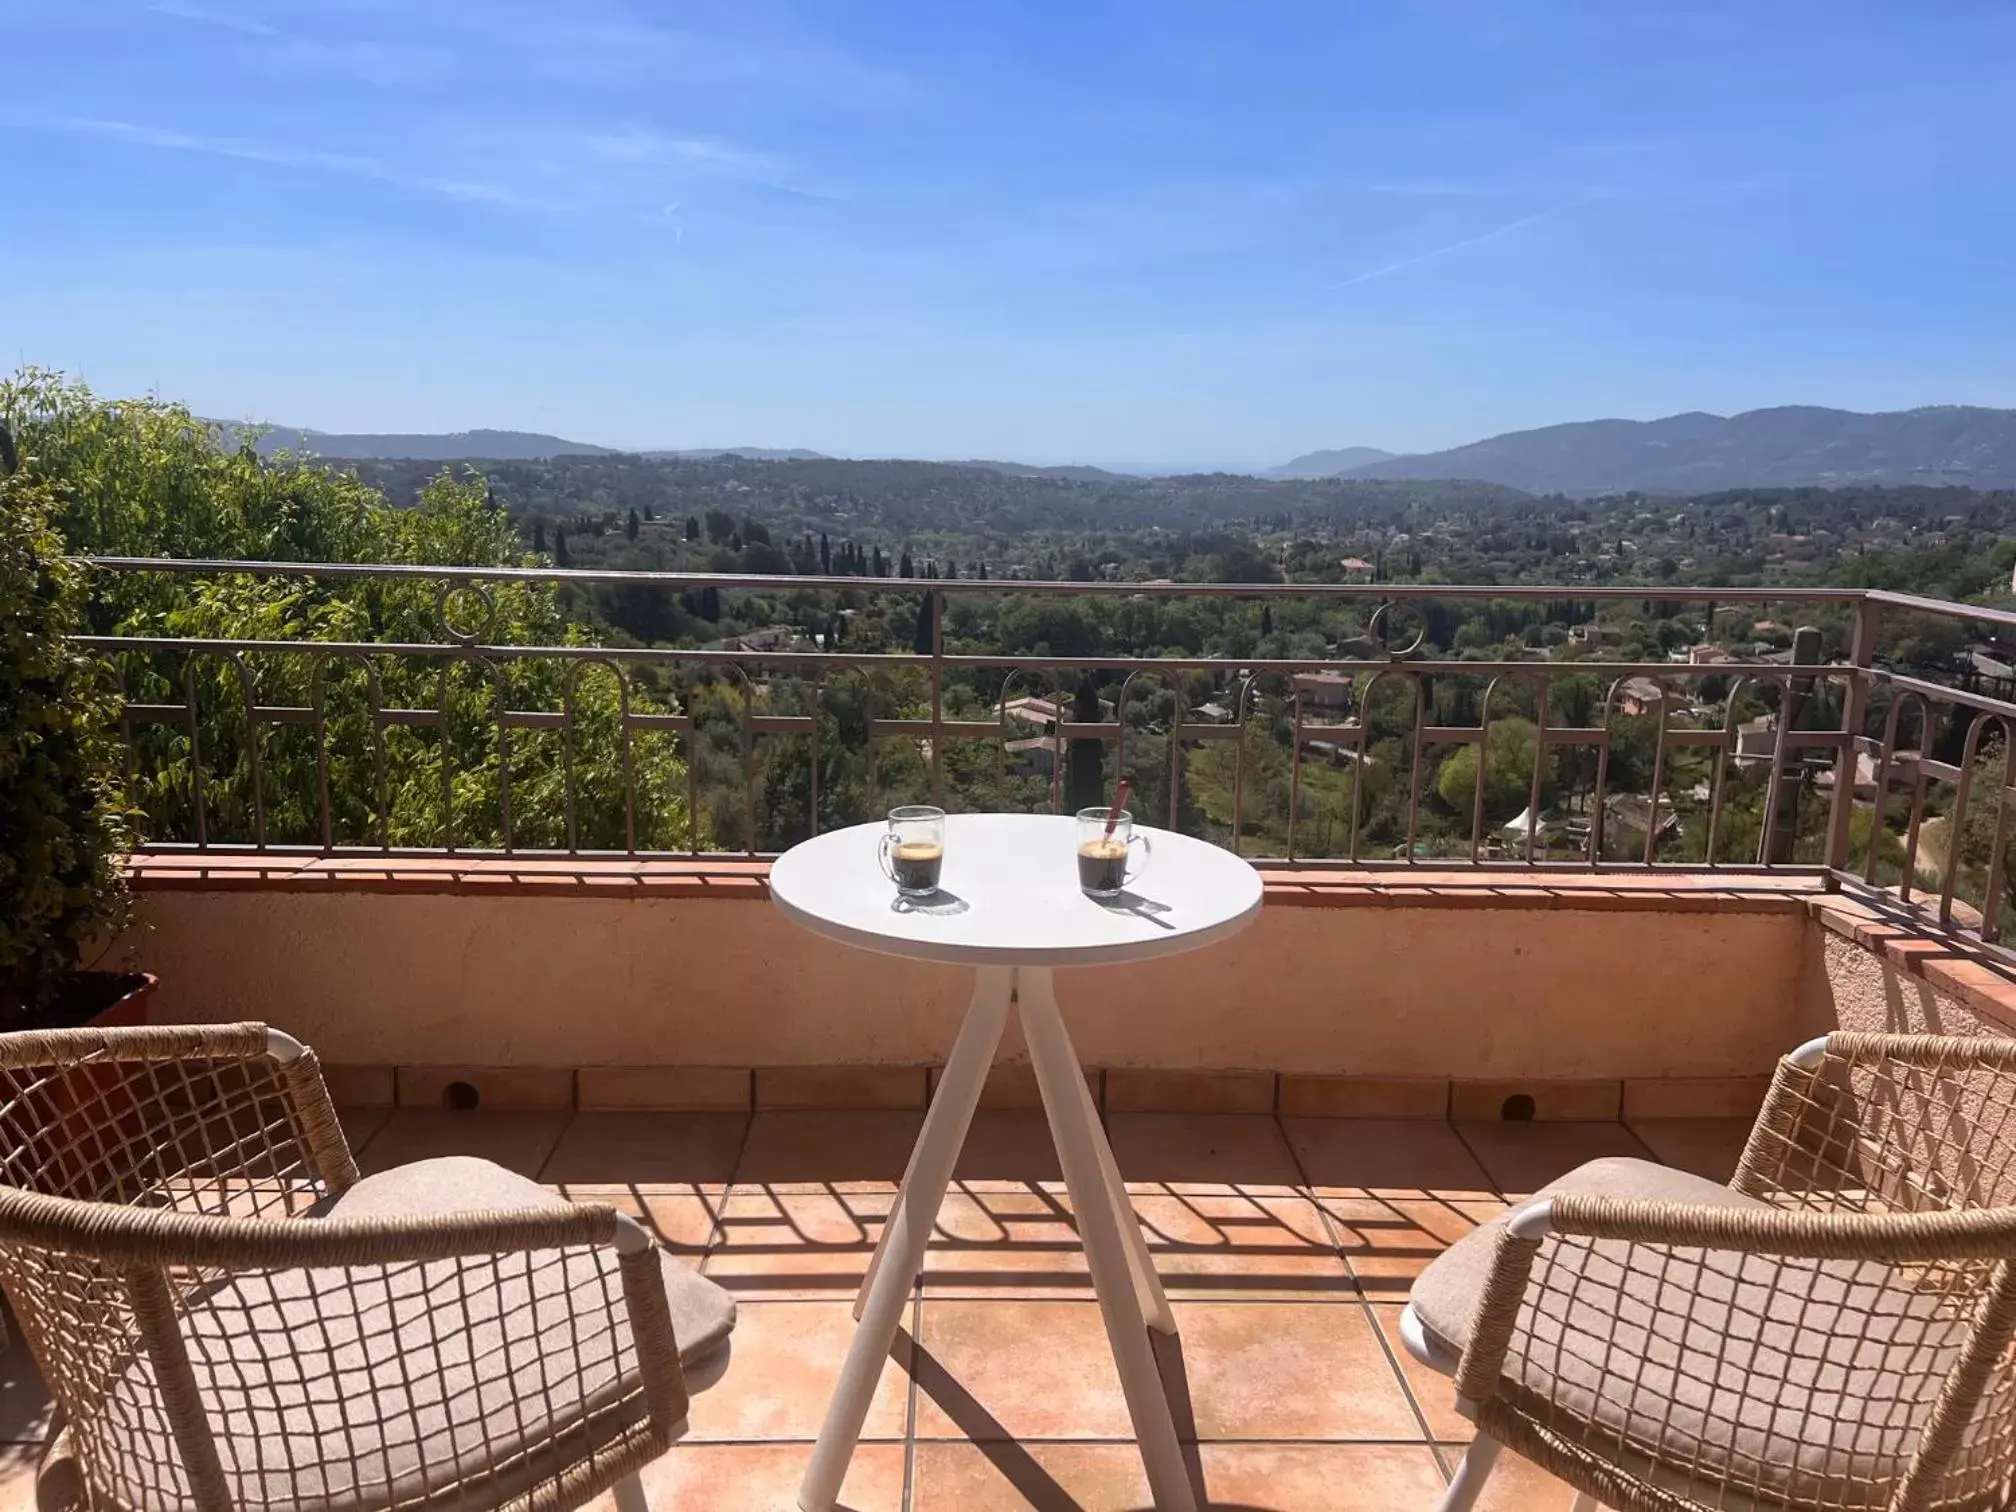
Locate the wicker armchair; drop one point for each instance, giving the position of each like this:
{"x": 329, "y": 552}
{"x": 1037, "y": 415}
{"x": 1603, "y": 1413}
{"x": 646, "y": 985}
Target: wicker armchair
{"x": 1831, "y": 1331}
{"x": 229, "y": 1317}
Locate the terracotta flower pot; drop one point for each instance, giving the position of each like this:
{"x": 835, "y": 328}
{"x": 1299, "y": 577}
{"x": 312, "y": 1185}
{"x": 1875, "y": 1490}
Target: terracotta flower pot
{"x": 93, "y": 1111}
{"x": 103, "y": 999}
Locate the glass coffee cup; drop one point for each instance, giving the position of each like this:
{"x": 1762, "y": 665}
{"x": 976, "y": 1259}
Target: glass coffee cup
{"x": 913, "y": 850}
{"x": 1108, "y": 858}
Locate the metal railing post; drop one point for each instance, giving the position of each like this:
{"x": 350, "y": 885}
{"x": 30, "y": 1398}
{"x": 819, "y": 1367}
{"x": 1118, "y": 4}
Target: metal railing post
{"x": 1854, "y": 713}
{"x": 1781, "y": 817}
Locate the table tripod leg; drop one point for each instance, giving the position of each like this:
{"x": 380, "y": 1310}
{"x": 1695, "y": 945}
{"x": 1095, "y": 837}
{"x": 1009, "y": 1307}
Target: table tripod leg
{"x": 1100, "y": 1228}
{"x": 906, "y": 1235}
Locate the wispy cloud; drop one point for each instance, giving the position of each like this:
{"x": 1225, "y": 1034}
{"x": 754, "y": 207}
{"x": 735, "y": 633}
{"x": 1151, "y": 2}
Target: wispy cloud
{"x": 281, "y": 155}
{"x": 1438, "y": 189}
{"x": 650, "y": 149}
{"x": 182, "y": 10}
{"x": 1469, "y": 241}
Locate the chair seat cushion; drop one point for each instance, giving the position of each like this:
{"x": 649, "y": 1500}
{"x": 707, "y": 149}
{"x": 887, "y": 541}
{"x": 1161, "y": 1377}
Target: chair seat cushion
{"x": 454, "y": 1383}
{"x": 703, "y": 1315}
{"x": 1802, "y": 1379}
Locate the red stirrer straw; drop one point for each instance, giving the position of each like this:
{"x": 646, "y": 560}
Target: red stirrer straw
{"x": 1119, "y": 804}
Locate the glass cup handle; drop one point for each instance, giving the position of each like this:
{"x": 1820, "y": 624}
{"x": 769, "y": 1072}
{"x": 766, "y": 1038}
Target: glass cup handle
{"x": 882, "y": 856}
{"x": 1147, "y": 854}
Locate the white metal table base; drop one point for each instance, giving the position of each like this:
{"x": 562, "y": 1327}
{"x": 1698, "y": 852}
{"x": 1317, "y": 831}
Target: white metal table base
{"x": 1123, "y": 1276}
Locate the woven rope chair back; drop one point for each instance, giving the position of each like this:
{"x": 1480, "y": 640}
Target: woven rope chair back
{"x": 181, "y": 1121}
{"x": 459, "y": 1354}
{"x": 1889, "y": 1126}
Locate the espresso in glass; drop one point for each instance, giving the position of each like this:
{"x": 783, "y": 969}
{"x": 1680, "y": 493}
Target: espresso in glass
{"x": 915, "y": 864}
{"x": 1102, "y": 865}
{"x": 1110, "y": 854}
{"x": 913, "y": 850}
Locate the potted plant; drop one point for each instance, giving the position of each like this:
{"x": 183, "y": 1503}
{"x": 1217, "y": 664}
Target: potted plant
{"x": 63, "y": 828}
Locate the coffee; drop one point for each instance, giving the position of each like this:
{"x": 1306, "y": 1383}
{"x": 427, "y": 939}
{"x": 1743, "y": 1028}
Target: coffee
{"x": 915, "y": 864}
{"x": 1102, "y": 865}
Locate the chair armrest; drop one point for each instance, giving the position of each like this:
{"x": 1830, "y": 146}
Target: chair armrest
{"x": 1885, "y": 1238}
{"x": 124, "y": 1235}
{"x": 137, "y": 1044}
{"x": 1979, "y": 1234}
{"x": 651, "y": 1329}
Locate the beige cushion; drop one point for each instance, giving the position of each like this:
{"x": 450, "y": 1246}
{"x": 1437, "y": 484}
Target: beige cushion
{"x": 1789, "y": 1378}
{"x": 464, "y": 1382}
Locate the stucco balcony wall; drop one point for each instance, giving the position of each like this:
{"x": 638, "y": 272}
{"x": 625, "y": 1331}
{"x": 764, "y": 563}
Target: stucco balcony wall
{"x": 1343, "y": 974}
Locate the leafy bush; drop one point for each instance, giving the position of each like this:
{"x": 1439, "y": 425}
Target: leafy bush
{"x": 62, "y": 827}
{"x": 139, "y": 477}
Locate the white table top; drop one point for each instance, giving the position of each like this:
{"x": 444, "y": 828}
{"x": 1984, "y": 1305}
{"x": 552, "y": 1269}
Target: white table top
{"x": 1010, "y": 896}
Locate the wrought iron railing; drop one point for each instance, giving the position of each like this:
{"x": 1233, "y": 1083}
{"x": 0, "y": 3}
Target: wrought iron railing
{"x": 672, "y": 751}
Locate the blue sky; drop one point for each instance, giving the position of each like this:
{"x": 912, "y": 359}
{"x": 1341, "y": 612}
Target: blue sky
{"x": 1154, "y": 234}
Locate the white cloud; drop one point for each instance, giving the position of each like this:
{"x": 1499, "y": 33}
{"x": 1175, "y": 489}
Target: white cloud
{"x": 281, "y": 155}
{"x": 1457, "y": 246}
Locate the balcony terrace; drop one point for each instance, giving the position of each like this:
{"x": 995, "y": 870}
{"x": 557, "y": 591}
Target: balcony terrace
{"x": 1429, "y": 1019}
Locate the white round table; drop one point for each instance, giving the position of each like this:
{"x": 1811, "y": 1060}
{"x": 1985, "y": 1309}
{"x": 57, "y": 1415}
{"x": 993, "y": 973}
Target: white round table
{"x": 1009, "y": 905}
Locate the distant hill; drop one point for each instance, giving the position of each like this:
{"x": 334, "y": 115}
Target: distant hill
{"x": 1328, "y": 464}
{"x": 452, "y": 446}
{"x": 1793, "y": 446}
{"x": 753, "y": 453}
{"x": 1030, "y": 470}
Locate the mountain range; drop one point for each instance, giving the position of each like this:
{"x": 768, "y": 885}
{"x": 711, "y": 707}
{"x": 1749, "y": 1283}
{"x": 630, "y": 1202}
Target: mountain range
{"x": 451, "y": 446}
{"x": 476, "y": 446}
{"x": 1792, "y": 446}
{"x": 1330, "y": 464}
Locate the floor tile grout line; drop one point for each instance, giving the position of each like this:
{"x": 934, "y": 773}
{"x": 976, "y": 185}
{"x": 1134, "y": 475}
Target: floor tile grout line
{"x": 546, "y": 1157}
{"x": 1371, "y": 1318}
{"x": 1497, "y": 1188}
{"x": 1640, "y": 1141}
{"x": 803, "y": 1441}
{"x": 718, "y": 1230}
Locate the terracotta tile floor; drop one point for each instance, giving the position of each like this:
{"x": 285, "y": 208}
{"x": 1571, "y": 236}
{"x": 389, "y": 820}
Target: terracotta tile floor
{"x": 1286, "y": 1245}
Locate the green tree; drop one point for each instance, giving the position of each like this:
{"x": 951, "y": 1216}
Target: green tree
{"x": 141, "y": 478}
{"x": 1508, "y": 772}
{"x": 63, "y": 827}
{"x": 1087, "y": 769}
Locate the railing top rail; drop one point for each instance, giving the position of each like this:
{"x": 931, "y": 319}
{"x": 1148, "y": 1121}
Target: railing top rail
{"x": 1258, "y": 666}
{"x": 198, "y": 566}
{"x": 1948, "y": 607}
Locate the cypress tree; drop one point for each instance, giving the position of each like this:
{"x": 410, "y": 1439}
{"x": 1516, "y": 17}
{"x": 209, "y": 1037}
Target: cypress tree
{"x": 560, "y": 548}
{"x": 1087, "y": 773}
{"x": 630, "y": 526}
{"x": 825, "y": 555}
